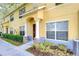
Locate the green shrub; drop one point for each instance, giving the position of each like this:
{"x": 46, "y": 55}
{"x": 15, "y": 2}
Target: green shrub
{"x": 13, "y": 37}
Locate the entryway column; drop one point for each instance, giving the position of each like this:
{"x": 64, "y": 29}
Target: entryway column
{"x": 25, "y": 29}
{"x": 25, "y": 36}
{"x": 4, "y": 30}
{"x": 37, "y": 28}
{"x": 8, "y": 30}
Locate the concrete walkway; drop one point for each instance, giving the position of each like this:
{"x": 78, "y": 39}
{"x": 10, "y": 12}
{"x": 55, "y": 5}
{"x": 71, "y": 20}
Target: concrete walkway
{"x": 26, "y": 46}
{"x": 7, "y": 49}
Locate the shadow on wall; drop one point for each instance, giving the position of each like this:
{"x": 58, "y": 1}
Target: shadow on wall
{"x": 69, "y": 44}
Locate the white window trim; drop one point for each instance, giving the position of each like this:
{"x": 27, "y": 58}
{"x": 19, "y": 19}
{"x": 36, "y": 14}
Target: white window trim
{"x": 22, "y": 30}
{"x": 60, "y": 20}
{"x": 12, "y": 29}
{"x": 55, "y": 20}
{"x": 55, "y": 31}
{"x": 21, "y": 11}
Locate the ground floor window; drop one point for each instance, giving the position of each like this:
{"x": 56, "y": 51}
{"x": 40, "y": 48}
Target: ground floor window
{"x": 22, "y": 31}
{"x": 11, "y": 30}
{"x": 7, "y": 30}
{"x": 57, "y": 30}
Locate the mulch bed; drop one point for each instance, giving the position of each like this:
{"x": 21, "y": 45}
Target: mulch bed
{"x": 38, "y": 52}
{"x": 55, "y": 52}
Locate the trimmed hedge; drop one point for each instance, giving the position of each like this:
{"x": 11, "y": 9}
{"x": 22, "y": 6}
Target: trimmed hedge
{"x": 13, "y": 37}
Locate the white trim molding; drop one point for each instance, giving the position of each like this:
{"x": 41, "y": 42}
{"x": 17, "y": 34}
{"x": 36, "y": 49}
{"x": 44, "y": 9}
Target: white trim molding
{"x": 37, "y": 29}
{"x": 37, "y": 21}
{"x": 57, "y": 20}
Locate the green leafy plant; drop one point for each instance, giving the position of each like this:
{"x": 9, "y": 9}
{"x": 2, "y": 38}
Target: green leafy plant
{"x": 41, "y": 46}
{"x": 46, "y": 44}
{"x": 44, "y": 47}
{"x": 62, "y": 47}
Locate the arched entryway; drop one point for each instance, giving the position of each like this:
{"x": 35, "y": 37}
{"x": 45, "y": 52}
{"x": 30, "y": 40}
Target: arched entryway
{"x": 31, "y": 27}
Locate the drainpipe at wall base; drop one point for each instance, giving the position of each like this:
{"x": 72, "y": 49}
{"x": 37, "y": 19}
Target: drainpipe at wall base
{"x": 76, "y": 47}
{"x": 36, "y": 40}
{"x": 24, "y": 39}
{"x": 27, "y": 39}
{"x": 25, "y": 36}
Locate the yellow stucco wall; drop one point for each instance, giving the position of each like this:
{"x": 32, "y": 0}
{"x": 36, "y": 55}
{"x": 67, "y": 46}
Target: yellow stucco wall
{"x": 17, "y": 22}
{"x": 50, "y": 13}
{"x": 65, "y": 11}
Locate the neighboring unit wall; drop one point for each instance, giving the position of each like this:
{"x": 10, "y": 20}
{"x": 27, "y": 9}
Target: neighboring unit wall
{"x": 5, "y": 24}
{"x": 17, "y": 22}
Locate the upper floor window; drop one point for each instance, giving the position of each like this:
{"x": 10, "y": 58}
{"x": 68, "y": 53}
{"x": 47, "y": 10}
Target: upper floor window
{"x": 21, "y": 12}
{"x": 11, "y": 17}
{"x": 58, "y": 4}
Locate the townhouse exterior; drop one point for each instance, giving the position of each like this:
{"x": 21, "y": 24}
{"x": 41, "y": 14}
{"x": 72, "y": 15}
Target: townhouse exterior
{"x": 51, "y": 21}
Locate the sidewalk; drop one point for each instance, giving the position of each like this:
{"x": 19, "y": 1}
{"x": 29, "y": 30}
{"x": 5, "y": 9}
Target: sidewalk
{"x": 7, "y": 49}
{"x": 25, "y": 46}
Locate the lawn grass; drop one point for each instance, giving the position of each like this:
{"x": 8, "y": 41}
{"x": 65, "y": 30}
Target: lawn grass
{"x": 13, "y": 42}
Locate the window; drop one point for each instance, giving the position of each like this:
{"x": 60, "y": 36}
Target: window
{"x": 21, "y": 12}
{"x": 58, "y": 4}
{"x": 51, "y": 34}
{"x": 57, "y": 30}
{"x": 11, "y": 17}
{"x": 50, "y": 30}
{"x": 7, "y": 30}
{"x": 11, "y": 30}
{"x": 22, "y": 32}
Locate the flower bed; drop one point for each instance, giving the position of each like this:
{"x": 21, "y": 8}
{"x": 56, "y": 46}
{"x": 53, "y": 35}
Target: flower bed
{"x": 49, "y": 49}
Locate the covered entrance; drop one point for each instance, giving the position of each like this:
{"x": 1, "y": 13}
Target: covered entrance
{"x": 32, "y": 27}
